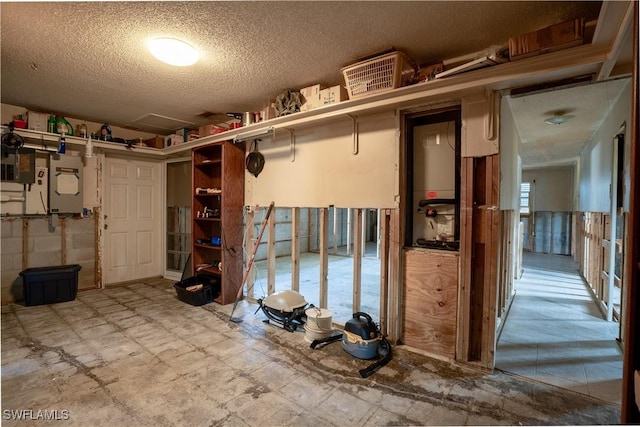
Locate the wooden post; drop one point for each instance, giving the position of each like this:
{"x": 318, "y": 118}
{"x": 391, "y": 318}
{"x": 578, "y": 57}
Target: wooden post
{"x": 295, "y": 249}
{"x": 395, "y": 285}
{"x": 348, "y": 231}
{"x": 63, "y": 241}
{"x": 378, "y": 218}
{"x": 25, "y": 243}
{"x": 384, "y": 270}
{"x": 251, "y": 244}
{"x": 324, "y": 257}
{"x": 357, "y": 259}
{"x": 271, "y": 254}
{"x": 335, "y": 230}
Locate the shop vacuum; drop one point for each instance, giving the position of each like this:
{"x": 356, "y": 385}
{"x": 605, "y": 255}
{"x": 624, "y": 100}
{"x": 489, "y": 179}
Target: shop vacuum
{"x": 362, "y": 339}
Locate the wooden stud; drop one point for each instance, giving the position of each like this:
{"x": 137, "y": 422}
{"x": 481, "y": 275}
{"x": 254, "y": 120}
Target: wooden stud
{"x": 357, "y": 259}
{"x": 63, "y": 241}
{"x": 295, "y": 249}
{"x": 384, "y": 270}
{"x": 348, "y": 231}
{"x": 335, "y": 230}
{"x": 271, "y": 253}
{"x": 251, "y": 244}
{"x": 324, "y": 257}
{"x": 395, "y": 286}
{"x": 25, "y": 243}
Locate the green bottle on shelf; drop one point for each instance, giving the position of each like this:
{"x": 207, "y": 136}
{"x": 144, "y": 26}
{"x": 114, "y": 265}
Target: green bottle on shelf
{"x": 51, "y": 124}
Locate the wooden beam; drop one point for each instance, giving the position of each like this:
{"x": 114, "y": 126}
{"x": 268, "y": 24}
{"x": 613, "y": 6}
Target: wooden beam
{"x": 466, "y": 230}
{"x": 348, "y": 231}
{"x": 335, "y": 230}
{"x": 384, "y": 270}
{"x": 395, "y": 286}
{"x": 357, "y": 259}
{"x": 25, "y": 243}
{"x": 324, "y": 257}
{"x": 63, "y": 241}
{"x": 271, "y": 253}
{"x": 251, "y": 244}
{"x": 295, "y": 249}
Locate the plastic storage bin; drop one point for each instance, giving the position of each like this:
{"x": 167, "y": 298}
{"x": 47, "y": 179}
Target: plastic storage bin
{"x": 210, "y": 290}
{"x": 48, "y": 285}
{"x": 210, "y": 286}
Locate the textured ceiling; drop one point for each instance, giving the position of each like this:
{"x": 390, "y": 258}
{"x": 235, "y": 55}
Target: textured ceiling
{"x": 88, "y": 60}
{"x": 545, "y": 144}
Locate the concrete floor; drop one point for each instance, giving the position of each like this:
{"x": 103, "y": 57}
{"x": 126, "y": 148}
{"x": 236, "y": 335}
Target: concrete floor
{"x": 556, "y": 334}
{"x": 136, "y": 355}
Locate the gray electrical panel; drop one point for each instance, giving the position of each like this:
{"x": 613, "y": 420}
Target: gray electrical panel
{"x": 18, "y": 165}
{"x": 65, "y": 184}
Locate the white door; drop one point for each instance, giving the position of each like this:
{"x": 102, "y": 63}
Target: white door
{"x": 132, "y": 220}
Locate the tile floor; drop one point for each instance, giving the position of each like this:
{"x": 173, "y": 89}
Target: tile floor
{"x": 136, "y": 355}
{"x": 555, "y": 334}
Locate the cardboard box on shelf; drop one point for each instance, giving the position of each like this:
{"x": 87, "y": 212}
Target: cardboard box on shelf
{"x": 37, "y": 121}
{"x": 269, "y": 111}
{"x": 211, "y": 129}
{"x": 157, "y": 142}
{"x": 549, "y": 39}
{"x": 333, "y": 94}
{"x": 311, "y": 97}
{"x": 430, "y": 71}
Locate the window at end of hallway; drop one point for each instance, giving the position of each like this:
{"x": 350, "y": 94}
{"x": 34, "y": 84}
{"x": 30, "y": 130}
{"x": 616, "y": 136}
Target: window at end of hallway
{"x": 525, "y": 191}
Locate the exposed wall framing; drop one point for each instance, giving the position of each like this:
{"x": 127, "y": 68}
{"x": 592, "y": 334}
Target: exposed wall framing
{"x": 479, "y": 264}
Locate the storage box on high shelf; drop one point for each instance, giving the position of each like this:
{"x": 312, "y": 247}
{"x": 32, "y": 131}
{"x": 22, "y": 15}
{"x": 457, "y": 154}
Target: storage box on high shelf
{"x": 217, "y": 201}
{"x": 549, "y": 39}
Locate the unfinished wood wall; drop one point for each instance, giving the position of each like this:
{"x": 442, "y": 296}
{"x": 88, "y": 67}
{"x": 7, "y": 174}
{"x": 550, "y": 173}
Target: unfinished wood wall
{"x": 479, "y": 245}
{"x": 593, "y": 246}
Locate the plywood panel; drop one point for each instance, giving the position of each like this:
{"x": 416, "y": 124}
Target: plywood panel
{"x": 430, "y": 301}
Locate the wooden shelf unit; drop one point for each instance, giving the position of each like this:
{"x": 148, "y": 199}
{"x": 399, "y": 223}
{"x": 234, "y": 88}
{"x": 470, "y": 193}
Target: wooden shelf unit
{"x": 220, "y": 166}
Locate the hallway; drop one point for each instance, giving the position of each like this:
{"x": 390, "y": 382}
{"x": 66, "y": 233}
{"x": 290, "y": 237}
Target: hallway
{"x": 555, "y": 334}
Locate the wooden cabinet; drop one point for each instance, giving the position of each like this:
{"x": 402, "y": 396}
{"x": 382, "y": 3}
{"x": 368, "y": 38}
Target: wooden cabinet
{"x": 218, "y": 193}
{"x": 431, "y": 301}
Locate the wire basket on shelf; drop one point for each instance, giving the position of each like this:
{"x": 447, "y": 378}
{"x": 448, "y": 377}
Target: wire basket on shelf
{"x": 379, "y": 74}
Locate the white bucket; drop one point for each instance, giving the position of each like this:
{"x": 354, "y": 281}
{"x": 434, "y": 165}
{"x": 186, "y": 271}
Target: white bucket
{"x": 319, "y": 319}
{"x": 319, "y": 324}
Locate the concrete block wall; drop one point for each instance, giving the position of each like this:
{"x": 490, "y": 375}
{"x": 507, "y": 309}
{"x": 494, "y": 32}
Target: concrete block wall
{"x": 45, "y": 249}
{"x": 11, "y": 259}
{"x": 283, "y": 232}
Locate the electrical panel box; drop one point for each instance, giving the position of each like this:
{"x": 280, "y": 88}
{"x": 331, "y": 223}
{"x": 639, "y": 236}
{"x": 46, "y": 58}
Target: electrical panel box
{"x": 18, "y": 165}
{"x": 37, "y": 194}
{"x": 65, "y": 184}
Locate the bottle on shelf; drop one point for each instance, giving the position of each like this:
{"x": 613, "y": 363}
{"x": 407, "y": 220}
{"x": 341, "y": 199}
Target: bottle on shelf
{"x": 82, "y": 130}
{"x": 51, "y": 124}
{"x": 62, "y": 145}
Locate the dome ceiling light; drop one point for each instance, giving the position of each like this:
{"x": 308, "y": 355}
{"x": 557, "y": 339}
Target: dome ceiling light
{"x": 558, "y": 119}
{"x": 173, "y": 51}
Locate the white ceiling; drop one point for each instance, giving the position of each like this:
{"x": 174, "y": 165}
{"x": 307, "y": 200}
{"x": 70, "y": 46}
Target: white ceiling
{"x": 88, "y": 60}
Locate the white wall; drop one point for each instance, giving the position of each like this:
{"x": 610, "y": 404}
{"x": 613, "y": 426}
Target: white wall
{"x": 596, "y": 158}
{"x": 553, "y": 188}
{"x": 324, "y": 170}
{"x": 510, "y": 164}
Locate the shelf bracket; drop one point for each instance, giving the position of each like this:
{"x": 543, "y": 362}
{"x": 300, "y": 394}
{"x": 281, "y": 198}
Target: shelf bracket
{"x": 355, "y": 148}
{"x": 292, "y": 144}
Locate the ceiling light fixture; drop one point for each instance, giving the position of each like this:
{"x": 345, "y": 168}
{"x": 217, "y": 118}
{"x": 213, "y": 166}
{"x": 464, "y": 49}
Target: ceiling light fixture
{"x": 558, "y": 119}
{"x": 173, "y": 51}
